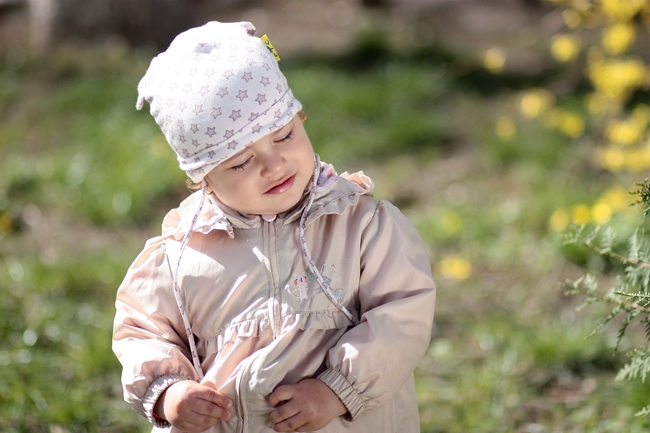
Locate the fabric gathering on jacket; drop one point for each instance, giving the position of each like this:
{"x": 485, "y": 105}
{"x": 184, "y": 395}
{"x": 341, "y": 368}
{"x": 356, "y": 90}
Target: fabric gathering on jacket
{"x": 260, "y": 319}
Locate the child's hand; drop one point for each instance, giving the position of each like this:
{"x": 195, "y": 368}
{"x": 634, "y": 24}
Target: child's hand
{"x": 192, "y": 407}
{"x": 307, "y": 406}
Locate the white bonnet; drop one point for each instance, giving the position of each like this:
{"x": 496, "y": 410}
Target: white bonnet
{"x": 216, "y": 90}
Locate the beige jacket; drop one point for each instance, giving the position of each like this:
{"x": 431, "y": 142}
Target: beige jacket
{"x": 260, "y": 320}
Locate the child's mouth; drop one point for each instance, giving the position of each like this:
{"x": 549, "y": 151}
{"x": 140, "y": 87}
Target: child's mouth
{"x": 283, "y": 187}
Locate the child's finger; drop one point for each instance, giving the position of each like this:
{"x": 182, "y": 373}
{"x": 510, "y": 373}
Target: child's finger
{"x": 209, "y": 413}
{"x": 280, "y": 394}
{"x": 284, "y": 411}
{"x": 209, "y": 393}
{"x": 294, "y": 423}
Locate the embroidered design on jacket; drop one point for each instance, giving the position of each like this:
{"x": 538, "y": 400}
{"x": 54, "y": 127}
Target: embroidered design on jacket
{"x": 300, "y": 287}
{"x": 302, "y": 282}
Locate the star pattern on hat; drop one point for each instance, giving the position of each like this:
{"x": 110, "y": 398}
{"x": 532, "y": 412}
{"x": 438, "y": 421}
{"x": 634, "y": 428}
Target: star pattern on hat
{"x": 222, "y": 92}
{"x": 194, "y": 84}
{"x": 236, "y": 114}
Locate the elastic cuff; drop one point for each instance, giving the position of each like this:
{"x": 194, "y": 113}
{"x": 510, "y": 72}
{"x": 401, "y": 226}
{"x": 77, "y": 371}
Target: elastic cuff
{"x": 344, "y": 390}
{"x": 154, "y": 392}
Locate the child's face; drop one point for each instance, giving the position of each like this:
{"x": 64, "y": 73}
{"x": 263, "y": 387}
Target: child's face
{"x": 269, "y": 176}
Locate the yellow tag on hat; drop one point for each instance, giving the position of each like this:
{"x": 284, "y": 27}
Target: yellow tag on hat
{"x": 269, "y": 45}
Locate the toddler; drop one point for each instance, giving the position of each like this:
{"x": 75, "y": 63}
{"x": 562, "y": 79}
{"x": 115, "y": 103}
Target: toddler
{"x": 280, "y": 296}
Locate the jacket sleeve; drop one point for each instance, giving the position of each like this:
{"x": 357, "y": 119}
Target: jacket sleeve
{"x": 373, "y": 360}
{"x": 148, "y": 333}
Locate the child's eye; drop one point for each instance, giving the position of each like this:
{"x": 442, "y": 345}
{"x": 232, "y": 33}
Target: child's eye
{"x": 243, "y": 165}
{"x": 285, "y": 138}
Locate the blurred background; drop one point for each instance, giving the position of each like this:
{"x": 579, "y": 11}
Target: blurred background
{"x": 495, "y": 125}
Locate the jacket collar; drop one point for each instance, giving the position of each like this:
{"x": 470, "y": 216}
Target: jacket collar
{"x": 334, "y": 193}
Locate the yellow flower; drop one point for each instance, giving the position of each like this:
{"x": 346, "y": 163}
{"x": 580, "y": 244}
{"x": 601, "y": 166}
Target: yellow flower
{"x": 625, "y": 132}
{"x": 559, "y": 220}
{"x": 494, "y": 60}
{"x": 455, "y": 268}
{"x": 611, "y": 159}
{"x": 565, "y": 48}
{"x": 534, "y": 102}
{"x": 505, "y": 128}
{"x": 601, "y": 213}
{"x": 571, "y": 18}
{"x": 621, "y": 10}
{"x": 581, "y": 5}
{"x": 617, "y": 198}
{"x": 572, "y": 125}
{"x": 618, "y": 38}
{"x": 581, "y": 214}
{"x": 635, "y": 161}
{"x": 616, "y": 79}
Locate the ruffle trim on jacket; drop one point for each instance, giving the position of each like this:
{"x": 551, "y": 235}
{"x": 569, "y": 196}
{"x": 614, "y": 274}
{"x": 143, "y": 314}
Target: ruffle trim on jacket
{"x": 334, "y": 200}
{"x": 210, "y": 218}
{"x": 327, "y": 319}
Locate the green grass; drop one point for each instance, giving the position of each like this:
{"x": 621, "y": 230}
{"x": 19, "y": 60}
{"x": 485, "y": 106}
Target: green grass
{"x": 85, "y": 179}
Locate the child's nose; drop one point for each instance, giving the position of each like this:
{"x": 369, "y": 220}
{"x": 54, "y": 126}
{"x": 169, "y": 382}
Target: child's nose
{"x": 273, "y": 163}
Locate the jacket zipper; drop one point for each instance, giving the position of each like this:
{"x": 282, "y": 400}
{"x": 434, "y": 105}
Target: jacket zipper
{"x": 241, "y": 401}
{"x": 271, "y": 252}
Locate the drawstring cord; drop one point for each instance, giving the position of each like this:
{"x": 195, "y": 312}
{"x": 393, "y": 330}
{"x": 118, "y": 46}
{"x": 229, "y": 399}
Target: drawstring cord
{"x": 177, "y": 292}
{"x": 303, "y": 243}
